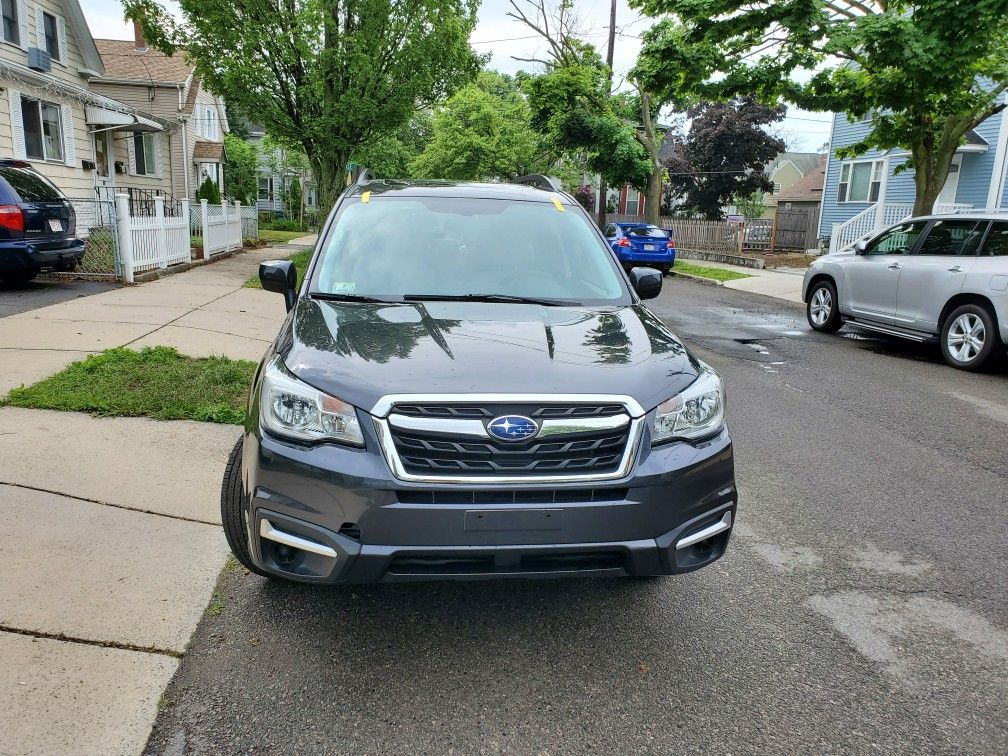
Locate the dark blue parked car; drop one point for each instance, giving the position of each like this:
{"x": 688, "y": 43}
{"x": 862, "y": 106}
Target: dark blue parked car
{"x": 38, "y": 227}
{"x": 642, "y": 244}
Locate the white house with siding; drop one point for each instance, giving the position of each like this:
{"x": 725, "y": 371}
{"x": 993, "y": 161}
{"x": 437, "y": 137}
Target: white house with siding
{"x": 49, "y": 115}
{"x": 192, "y": 147}
{"x": 863, "y": 195}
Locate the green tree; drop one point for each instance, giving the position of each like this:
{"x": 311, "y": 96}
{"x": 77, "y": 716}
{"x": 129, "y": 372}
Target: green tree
{"x": 294, "y": 200}
{"x": 327, "y": 75}
{"x": 390, "y": 155}
{"x": 241, "y": 165}
{"x": 209, "y": 191}
{"x": 483, "y": 131}
{"x": 927, "y": 71}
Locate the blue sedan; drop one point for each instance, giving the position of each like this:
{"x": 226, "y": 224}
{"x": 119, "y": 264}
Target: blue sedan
{"x": 642, "y": 244}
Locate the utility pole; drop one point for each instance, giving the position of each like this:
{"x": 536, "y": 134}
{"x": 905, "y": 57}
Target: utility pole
{"x": 603, "y": 190}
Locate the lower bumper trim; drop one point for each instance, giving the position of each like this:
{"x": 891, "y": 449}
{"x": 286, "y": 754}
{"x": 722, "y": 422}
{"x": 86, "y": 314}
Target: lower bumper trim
{"x": 267, "y": 531}
{"x": 709, "y": 532}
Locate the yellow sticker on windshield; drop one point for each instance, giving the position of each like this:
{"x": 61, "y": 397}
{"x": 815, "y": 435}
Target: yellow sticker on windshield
{"x": 365, "y": 197}
{"x": 558, "y": 204}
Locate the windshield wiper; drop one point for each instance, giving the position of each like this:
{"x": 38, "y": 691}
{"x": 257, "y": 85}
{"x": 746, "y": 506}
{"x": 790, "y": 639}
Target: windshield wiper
{"x": 332, "y": 297}
{"x": 486, "y": 298}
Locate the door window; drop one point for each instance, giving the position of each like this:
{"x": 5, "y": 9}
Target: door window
{"x": 611, "y": 231}
{"x": 898, "y": 240}
{"x": 996, "y": 244}
{"x": 960, "y": 238}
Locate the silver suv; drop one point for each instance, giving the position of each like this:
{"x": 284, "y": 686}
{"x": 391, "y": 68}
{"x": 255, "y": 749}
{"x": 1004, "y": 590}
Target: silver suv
{"x": 940, "y": 277}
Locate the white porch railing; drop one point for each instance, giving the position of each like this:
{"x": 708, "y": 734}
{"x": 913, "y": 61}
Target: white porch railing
{"x": 875, "y": 218}
{"x": 151, "y": 241}
{"x": 222, "y": 227}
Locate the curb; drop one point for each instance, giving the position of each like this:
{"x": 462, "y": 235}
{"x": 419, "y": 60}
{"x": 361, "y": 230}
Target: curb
{"x": 701, "y": 279}
{"x": 154, "y": 275}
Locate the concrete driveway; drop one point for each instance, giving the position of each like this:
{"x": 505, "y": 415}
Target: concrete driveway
{"x": 46, "y": 290}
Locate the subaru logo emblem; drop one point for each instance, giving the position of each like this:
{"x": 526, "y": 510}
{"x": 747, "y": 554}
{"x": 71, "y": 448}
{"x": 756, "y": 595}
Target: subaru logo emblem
{"x": 512, "y": 428}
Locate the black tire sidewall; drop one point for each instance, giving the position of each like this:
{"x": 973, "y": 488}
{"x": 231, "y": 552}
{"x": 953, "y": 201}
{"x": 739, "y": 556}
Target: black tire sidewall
{"x": 990, "y": 327}
{"x": 833, "y": 322}
{"x": 233, "y": 510}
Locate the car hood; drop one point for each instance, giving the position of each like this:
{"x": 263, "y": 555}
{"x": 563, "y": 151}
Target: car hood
{"x": 361, "y": 352}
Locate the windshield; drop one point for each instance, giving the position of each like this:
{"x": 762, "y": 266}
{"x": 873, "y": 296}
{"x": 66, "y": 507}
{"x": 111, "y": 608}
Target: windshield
{"x": 429, "y": 247}
{"x": 29, "y": 185}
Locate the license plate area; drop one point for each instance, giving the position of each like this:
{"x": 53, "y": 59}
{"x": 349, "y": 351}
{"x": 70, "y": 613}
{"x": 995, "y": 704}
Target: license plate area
{"x": 649, "y": 247}
{"x": 481, "y": 520}
{"x": 55, "y": 224}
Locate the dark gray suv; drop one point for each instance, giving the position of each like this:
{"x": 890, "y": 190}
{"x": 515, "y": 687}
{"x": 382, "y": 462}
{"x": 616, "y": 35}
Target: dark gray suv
{"x": 467, "y": 385}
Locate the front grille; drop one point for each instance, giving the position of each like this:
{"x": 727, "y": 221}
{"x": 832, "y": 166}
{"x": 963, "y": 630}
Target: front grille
{"x": 598, "y": 452}
{"x": 545, "y": 496}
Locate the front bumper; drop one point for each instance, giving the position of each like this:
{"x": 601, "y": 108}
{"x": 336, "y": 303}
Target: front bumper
{"x": 335, "y": 514}
{"x": 20, "y": 256}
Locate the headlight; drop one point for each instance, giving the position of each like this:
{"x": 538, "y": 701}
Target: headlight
{"x": 292, "y": 408}
{"x": 696, "y": 412}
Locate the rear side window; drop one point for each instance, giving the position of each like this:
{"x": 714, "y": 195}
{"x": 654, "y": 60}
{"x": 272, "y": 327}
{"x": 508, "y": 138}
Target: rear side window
{"x": 28, "y": 185}
{"x": 650, "y": 231}
{"x": 959, "y": 238}
{"x": 997, "y": 241}
{"x": 611, "y": 230}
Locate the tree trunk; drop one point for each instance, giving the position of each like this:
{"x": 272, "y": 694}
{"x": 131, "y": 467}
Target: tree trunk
{"x": 330, "y": 171}
{"x": 603, "y": 208}
{"x": 932, "y": 166}
{"x": 652, "y": 196}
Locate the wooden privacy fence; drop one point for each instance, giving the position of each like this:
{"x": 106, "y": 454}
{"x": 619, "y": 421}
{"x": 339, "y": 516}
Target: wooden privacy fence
{"x": 791, "y": 229}
{"x": 150, "y": 238}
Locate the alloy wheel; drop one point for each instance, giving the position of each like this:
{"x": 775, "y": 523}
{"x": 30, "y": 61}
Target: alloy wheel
{"x": 966, "y": 337}
{"x": 821, "y": 305}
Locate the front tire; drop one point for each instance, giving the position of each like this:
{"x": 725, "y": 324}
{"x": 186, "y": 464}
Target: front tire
{"x": 968, "y": 337}
{"x": 822, "y": 310}
{"x": 233, "y": 511}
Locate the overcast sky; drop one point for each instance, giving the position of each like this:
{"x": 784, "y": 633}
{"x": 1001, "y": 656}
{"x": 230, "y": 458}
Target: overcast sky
{"x": 503, "y": 37}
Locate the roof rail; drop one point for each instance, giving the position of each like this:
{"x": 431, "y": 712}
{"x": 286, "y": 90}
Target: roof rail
{"x": 539, "y": 181}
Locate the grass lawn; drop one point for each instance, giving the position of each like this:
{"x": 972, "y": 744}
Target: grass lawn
{"x": 300, "y": 260}
{"x": 718, "y": 274}
{"x": 269, "y": 235}
{"x": 154, "y": 382}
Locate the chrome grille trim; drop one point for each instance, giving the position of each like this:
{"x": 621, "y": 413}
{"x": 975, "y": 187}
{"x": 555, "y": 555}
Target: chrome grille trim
{"x": 383, "y": 420}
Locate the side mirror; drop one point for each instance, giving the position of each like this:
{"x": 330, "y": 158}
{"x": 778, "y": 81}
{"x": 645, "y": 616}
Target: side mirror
{"x": 647, "y": 282}
{"x": 861, "y": 247}
{"x": 280, "y": 276}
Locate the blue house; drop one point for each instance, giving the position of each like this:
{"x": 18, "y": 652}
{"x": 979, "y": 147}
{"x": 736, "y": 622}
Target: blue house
{"x": 864, "y": 195}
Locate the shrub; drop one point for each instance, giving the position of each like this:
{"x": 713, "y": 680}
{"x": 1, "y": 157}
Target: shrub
{"x": 209, "y": 191}
{"x": 284, "y": 224}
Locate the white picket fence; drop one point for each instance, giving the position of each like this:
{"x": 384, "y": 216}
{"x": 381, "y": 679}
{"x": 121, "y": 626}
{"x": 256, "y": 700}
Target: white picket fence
{"x": 154, "y": 241}
{"x": 222, "y": 227}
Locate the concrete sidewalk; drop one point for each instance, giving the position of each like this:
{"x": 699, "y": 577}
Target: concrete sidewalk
{"x": 780, "y": 284}
{"x": 112, "y": 524}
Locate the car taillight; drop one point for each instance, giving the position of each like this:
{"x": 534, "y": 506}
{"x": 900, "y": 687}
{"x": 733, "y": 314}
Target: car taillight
{"x": 11, "y": 217}
{"x": 671, "y": 244}
{"x": 624, "y": 242}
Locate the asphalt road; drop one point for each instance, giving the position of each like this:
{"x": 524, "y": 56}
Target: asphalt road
{"x": 861, "y": 607}
{"x": 46, "y": 290}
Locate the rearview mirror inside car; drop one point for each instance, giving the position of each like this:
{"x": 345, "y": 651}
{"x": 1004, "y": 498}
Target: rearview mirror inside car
{"x": 279, "y": 276}
{"x": 647, "y": 282}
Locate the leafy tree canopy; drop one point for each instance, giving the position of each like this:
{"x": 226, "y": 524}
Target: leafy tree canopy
{"x": 329, "y": 75}
{"x": 929, "y": 70}
{"x": 241, "y": 164}
{"x": 482, "y": 131}
{"x": 390, "y": 155}
{"x": 723, "y": 155}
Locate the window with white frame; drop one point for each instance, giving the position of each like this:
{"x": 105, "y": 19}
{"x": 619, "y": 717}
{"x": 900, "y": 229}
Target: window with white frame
{"x": 43, "y": 129}
{"x": 211, "y": 123}
{"x": 11, "y": 32}
{"x": 144, "y": 153}
{"x": 265, "y": 189}
{"x": 50, "y": 36}
{"x": 860, "y": 181}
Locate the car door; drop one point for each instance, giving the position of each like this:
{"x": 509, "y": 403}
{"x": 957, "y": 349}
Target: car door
{"x": 871, "y": 279}
{"x": 936, "y": 271}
